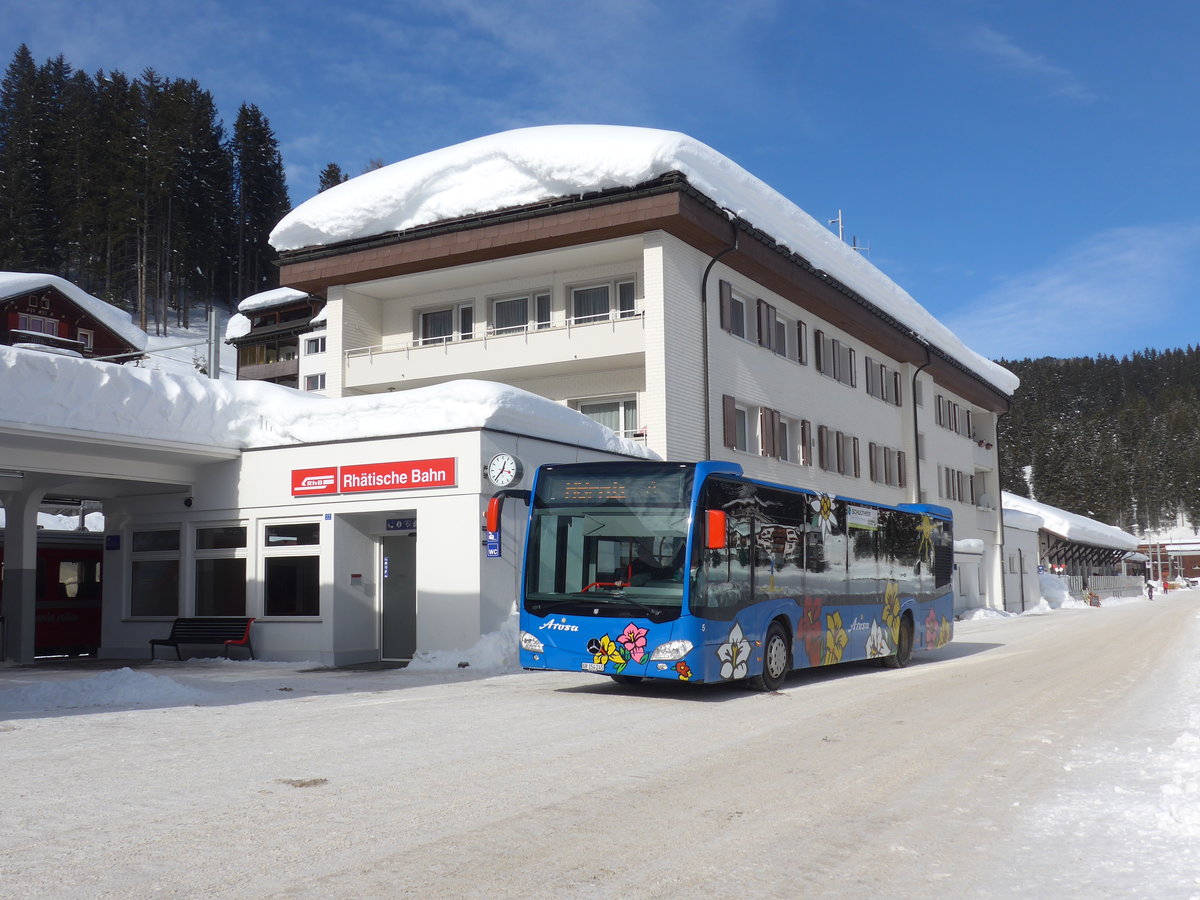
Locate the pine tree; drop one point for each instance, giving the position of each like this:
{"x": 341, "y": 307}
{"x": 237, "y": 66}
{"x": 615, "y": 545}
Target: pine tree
{"x": 331, "y": 176}
{"x": 260, "y": 199}
{"x": 27, "y": 228}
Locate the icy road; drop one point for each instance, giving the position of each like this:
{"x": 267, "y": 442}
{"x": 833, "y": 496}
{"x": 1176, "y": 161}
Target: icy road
{"x": 1054, "y": 755}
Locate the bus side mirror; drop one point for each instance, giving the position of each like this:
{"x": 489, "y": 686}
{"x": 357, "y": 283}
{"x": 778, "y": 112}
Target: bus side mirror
{"x": 715, "y": 525}
{"x": 493, "y": 512}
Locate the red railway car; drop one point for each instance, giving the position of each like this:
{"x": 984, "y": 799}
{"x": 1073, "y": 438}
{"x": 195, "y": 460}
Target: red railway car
{"x": 68, "y": 592}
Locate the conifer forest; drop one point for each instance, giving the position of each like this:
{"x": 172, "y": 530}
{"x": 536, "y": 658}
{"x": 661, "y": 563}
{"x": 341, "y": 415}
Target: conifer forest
{"x": 1112, "y": 439}
{"x": 133, "y": 189}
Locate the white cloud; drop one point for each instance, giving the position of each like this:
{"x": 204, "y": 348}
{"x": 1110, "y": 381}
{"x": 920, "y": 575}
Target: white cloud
{"x": 1001, "y": 50}
{"x": 1116, "y": 292}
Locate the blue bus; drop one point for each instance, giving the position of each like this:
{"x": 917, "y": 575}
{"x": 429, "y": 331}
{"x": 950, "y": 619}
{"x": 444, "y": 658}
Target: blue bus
{"x": 694, "y": 572}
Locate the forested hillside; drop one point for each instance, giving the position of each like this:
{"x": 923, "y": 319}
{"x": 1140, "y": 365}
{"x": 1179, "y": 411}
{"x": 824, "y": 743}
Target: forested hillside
{"x": 132, "y": 189}
{"x": 1112, "y": 439}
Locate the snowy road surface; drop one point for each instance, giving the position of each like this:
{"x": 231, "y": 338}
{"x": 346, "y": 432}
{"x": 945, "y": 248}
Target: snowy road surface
{"x": 1046, "y": 756}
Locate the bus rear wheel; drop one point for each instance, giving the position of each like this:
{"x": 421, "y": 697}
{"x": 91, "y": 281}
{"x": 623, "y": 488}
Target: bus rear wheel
{"x": 777, "y": 660}
{"x": 904, "y": 645}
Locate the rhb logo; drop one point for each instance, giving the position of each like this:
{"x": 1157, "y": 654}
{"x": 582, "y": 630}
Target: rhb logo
{"x": 314, "y": 481}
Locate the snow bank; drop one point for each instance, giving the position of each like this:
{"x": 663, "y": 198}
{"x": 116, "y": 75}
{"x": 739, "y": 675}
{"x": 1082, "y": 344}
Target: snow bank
{"x": 530, "y": 165}
{"x": 120, "y": 687}
{"x": 119, "y": 321}
{"x": 75, "y": 394}
{"x": 1055, "y": 594}
{"x": 494, "y": 653}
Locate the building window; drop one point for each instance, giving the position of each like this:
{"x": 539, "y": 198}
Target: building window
{"x": 953, "y": 417}
{"x": 291, "y": 569}
{"x": 592, "y": 303}
{"x": 619, "y": 414}
{"x": 781, "y": 337}
{"x": 510, "y": 316}
{"x": 87, "y": 338}
{"x": 767, "y": 319}
{"x": 221, "y": 571}
{"x": 956, "y": 485}
{"x": 37, "y": 324}
{"x": 154, "y": 577}
{"x": 315, "y": 345}
{"x": 837, "y": 452}
{"x": 835, "y": 359}
{"x": 883, "y": 383}
{"x": 314, "y": 382}
{"x": 736, "y": 424}
{"x": 450, "y": 323}
{"x": 887, "y": 465}
{"x": 733, "y": 311}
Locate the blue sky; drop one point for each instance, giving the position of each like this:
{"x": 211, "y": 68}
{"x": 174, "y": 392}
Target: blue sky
{"x": 1028, "y": 171}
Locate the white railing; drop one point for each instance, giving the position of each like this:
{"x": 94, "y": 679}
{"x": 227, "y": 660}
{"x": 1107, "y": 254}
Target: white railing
{"x": 1106, "y": 585}
{"x": 497, "y": 334}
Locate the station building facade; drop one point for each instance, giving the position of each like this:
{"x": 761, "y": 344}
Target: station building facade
{"x": 660, "y": 315}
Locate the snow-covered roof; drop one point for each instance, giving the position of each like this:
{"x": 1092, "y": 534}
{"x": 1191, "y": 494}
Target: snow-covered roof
{"x": 116, "y": 320}
{"x": 1071, "y": 526}
{"x": 281, "y": 296}
{"x": 65, "y": 393}
{"x": 529, "y": 165}
{"x": 1015, "y": 518}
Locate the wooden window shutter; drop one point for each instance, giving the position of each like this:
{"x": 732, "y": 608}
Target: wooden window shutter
{"x": 822, "y": 437}
{"x": 766, "y": 325}
{"x": 730, "y": 420}
{"x": 901, "y": 474}
{"x": 872, "y": 453}
{"x": 726, "y": 304}
{"x": 854, "y": 445}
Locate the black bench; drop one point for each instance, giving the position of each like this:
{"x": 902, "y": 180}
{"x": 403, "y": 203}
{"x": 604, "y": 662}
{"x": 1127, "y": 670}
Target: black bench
{"x": 225, "y": 630}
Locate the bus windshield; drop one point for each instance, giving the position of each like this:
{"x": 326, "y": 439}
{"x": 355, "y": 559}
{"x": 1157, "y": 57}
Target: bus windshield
{"x": 612, "y": 538}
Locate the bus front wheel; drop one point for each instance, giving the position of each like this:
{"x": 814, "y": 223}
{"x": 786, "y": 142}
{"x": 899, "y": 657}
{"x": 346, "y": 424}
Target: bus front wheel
{"x": 904, "y": 644}
{"x": 777, "y": 660}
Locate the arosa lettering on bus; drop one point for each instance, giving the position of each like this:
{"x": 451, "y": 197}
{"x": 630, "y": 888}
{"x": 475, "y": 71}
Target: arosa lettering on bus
{"x": 391, "y": 476}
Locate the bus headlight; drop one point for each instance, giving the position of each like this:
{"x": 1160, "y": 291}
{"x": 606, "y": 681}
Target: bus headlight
{"x": 672, "y": 650}
{"x": 531, "y": 643}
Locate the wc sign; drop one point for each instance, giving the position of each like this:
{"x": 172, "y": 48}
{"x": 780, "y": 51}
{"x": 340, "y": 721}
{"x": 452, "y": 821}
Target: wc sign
{"x": 409, "y": 474}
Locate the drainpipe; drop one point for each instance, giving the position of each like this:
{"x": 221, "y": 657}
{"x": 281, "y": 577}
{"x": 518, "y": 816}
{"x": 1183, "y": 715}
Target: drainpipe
{"x": 704, "y": 331}
{"x": 916, "y": 424}
{"x": 1000, "y": 512}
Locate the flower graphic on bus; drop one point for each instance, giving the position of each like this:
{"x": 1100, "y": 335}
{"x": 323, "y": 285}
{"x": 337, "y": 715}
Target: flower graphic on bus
{"x": 925, "y": 544}
{"x": 822, "y": 505}
{"x": 891, "y": 610}
{"x": 836, "y": 639}
{"x": 605, "y": 651}
{"x": 933, "y": 629}
{"x": 809, "y": 631}
{"x": 944, "y": 633}
{"x": 683, "y": 670}
{"x": 633, "y": 639}
{"x": 877, "y": 642}
{"x": 734, "y": 654}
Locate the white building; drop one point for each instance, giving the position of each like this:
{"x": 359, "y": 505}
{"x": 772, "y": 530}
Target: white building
{"x": 650, "y": 283}
{"x": 351, "y": 530}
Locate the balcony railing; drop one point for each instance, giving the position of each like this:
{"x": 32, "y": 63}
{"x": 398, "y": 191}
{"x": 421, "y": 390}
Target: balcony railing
{"x": 491, "y": 334}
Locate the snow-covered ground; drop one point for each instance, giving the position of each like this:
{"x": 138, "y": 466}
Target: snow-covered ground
{"x": 1127, "y": 793}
